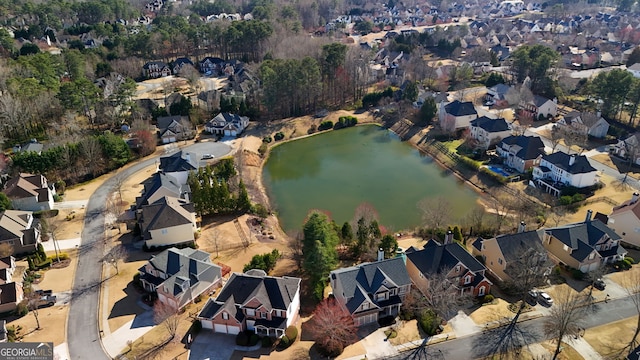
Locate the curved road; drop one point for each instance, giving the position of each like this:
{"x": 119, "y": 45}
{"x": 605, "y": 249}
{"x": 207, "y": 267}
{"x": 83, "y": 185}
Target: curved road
{"x": 83, "y": 336}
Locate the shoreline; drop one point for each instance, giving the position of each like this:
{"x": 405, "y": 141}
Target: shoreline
{"x": 481, "y": 201}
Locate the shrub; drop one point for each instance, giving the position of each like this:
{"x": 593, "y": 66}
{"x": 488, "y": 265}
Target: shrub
{"x": 429, "y": 322}
{"x": 43, "y": 265}
{"x": 22, "y": 309}
{"x": 242, "y": 339}
{"x": 291, "y": 332}
{"x": 46, "y": 213}
{"x": 629, "y": 259}
{"x": 267, "y": 342}
{"x": 311, "y": 130}
{"x": 468, "y": 163}
{"x": 278, "y": 136}
{"x": 325, "y": 125}
{"x": 263, "y": 148}
{"x": 345, "y": 121}
{"x": 577, "y": 274}
{"x": 196, "y": 327}
{"x": 265, "y": 262}
{"x": 260, "y": 210}
{"x": 253, "y": 339}
{"x": 488, "y": 298}
{"x": 284, "y": 342}
{"x": 57, "y": 198}
{"x": 390, "y": 333}
{"x": 267, "y": 139}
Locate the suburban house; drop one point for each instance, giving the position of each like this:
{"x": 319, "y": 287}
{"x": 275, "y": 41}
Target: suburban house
{"x": 31, "y": 146}
{"x": 211, "y": 65}
{"x": 11, "y": 295}
{"x": 558, "y": 170}
{"x": 30, "y": 192}
{"x": 487, "y": 131}
{"x": 539, "y": 106}
{"x": 18, "y": 228}
{"x": 625, "y": 220}
{"x": 253, "y": 301}
{"x": 456, "y": 115}
{"x": 497, "y": 94}
{"x": 521, "y": 152}
{"x": 179, "y": 63}
{"x": 585, "y": 123}
{"x": 629, "y": 147}
{"x": 371, "y": 291}
{"x": 179, "y": 276}
{"x": 168, "y": 221}
{"x": 7, "y": 268}
{"x": 634, "y": 70}
{"x": 155, "y": 69}
{"x": 227, "y": 124}
{"x": 160, "y": 185}
{"x": 178, "y": 165}
{"x": 451, "y": 261}
{"x": 174, "y": 128}
{"x": 500, "y": 251}
{"x": 585, "y": 245}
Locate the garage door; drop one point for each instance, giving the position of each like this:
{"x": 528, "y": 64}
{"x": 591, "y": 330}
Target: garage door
{"x": 233, "y": 330}
{"x": 220, "y": 328}
{"x": 206, "y": 324}
{"x": 593, "y": 266}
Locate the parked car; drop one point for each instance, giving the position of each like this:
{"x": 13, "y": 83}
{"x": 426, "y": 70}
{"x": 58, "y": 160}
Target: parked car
{"x": 543, "y": 297}
{"x": 599, "y": 284}
{"x": 207, "y": 157}
{"x": 44, "y": 298}
{"x": 532, "y": 297}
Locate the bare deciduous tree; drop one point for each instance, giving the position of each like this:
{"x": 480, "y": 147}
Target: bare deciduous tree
{"x": 435, "y": 212}
{"x": 295, "y": 245}
{"x": 565, "y": 316}
{"x": 33, "y": 304}
{"x": 114, "y": 256}
{"x": 631, "y": 284}
{"x": 167, "y": 316}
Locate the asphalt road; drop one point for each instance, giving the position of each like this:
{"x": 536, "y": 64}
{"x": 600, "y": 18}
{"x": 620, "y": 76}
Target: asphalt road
{"x": 467, "y": 347}
{"x": 83, "y": 336}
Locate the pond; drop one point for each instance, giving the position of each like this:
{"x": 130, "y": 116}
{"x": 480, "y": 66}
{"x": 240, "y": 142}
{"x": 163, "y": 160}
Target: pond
{"x": 337, "y": 171}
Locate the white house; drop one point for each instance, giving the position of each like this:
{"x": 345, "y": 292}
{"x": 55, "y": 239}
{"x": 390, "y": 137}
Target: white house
{"x": 227, "y": 124}
{"x": 487, "y": 131}
{"x": 539, "y": 106}
{"x": 634, "y": 70}
{"x": 30, "y": 192}
{"x": 559, "y": 169}
{"x": 585, "y": 123}
{"x": 629, "y": 147}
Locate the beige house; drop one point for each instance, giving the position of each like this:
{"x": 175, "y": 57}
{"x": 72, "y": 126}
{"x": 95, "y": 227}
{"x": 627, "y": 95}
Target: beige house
{"x": 30, "y": 192}
{"x": 585, "y": 245}
{"x": 625, "y": 220}
{"x": 168, "y": 221}
{"x": 488, "y": 131}
{"x": 456, "y": 115}
{"x": 18, "y": 229}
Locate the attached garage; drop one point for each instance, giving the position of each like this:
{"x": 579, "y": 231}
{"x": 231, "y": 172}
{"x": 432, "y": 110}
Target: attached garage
{"x": 366, "y": 319}
{"x": 226, "y": 329}
{"x": 207, "y": 324}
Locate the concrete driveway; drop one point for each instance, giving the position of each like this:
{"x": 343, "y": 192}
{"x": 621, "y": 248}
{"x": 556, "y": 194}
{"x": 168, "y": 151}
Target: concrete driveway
{"x": 211, "y": 346}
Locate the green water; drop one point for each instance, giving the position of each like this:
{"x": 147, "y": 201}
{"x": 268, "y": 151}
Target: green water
{"x": 337, "y": 171}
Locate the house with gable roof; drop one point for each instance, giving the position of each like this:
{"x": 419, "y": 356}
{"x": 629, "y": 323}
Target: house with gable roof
{"x": 178, "y": 165}
{"x": 497, "y": 94}
{"x": 7, "y": 269}
{"x": 211, "y": 65}
{"x": 155, "y": 69}
{"x": 464, "y": 272}
{"x": 456, "y": 115}
{"x": 521, "y": 152}
{"x": 625, "y": 220}
{"x": 179, "y": 63}
{"x": 539, "y": 106}
{"x": 168, "y": 221}
{"x": 178, "y": 276}
{"x": 253, "y": 301}
{"x": 487, "y": 131}
{"x": 585, "y": 245}
{"x": 371, "y": 291}
{"x": 20, "y": 230}
{"x": 559, "y": 169}
{"x": 160, "y": 185}
{"x": 500, "y": 251}
{"x": 585, "y": 123}
{"x": 174, "y": 128}
{"x": 634, "y": 70}
{"x": 227, "y": 124}
{"x": 629, "y": 147}
{"x": 30, "y": 192}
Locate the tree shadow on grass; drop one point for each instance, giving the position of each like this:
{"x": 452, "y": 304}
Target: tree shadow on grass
{"x": 127, "y": 305}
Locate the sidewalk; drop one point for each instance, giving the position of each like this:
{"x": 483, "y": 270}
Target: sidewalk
{"x": 62, "y": 244}
{"x": 115, "y": 342}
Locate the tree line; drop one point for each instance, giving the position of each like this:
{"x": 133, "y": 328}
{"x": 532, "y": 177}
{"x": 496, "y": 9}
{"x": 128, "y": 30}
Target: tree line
{"x": 214, "y": 190}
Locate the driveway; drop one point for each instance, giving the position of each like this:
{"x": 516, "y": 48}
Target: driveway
{"x": 211, "y": 346}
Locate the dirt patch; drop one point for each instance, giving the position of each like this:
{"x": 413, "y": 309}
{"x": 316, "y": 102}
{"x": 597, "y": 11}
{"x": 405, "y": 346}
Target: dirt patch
{"x": 122, "y": 295}
{"x": 132, "y": 186}
{"x": 69, "y": 223}
{"x": 609, "y": 339}
{"x": 52, "y": 325}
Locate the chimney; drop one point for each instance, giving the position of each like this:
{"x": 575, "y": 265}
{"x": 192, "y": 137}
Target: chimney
{"x": 380, "y": 254}
{"x": 522, "y": 227}
{"x": 448, "y": 238}
{"x": 572, "y": 159}
{"x": 634, "y": 197}
{"x": 589, "y": 214}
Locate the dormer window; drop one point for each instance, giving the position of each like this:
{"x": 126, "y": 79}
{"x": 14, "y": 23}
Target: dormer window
{"x": 225, "y": 316}
{"x": 467, "y": 279}
{"x": 457, "y": 268}
{"x": 263, "y": 315}
{"x": 251, "y": 312}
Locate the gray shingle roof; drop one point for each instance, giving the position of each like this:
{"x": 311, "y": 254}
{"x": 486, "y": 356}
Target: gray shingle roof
{"x": 582, "y": 237}
{"x": 174, "y": 163}
{"x": 272, "y": 292}
{"x": 155, "y": 183}
{"x": 164, "y": 213}
{"x": 580, "y": 166}
{"x": 530, "y": 146}
{"x": 457, "y": 108}
{"x": 490, "y": 125}
{"x": 513, "y": 245}
{"x": 436, "y": 257}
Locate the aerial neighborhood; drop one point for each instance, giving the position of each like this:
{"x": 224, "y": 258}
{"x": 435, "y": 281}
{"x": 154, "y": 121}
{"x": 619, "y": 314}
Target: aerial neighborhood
{"x": 312, "y": 180}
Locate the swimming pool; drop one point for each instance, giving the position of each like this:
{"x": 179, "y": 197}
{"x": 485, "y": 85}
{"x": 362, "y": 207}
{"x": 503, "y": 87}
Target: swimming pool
{"x": 498, "y": 170}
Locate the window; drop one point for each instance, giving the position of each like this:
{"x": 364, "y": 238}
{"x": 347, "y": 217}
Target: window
{"x": 565, "y": 247}
{"x": 263, "y": 315}
{"x": 251, "y": 312}
{"x": 467, "y": 279}
{"x": 164, "y": 231}
{"x": 393, "y": 292}
{"x": 592, "y": 255}
{"x": 365, "y": 305}
{"x": 225, "y": 316}
{"x": 481, "y": 291}
{"x": 380, "y": 296}
{"x": 500, "y": 261}
{"x": 457, "y": 268}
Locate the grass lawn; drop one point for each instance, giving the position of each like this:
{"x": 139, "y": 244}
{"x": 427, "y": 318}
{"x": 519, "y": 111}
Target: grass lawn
{"x": 52, "y": 325}
{"x": 123, "y": 297}
{"x": 409, "y": 331}
{"x": 60, "y": 280}
{"x": 568, "y": 353}
{"x": 492, "y": 312}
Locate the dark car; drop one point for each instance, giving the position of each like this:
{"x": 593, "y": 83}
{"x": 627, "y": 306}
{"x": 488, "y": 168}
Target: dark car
{"x": 599, "y": 284}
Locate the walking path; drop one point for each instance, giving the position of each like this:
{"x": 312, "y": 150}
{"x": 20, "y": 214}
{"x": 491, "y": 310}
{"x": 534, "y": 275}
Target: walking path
{"x": 583, "y": 348}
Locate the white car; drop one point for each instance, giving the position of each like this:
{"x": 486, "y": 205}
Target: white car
{"x": 545, "y": 298}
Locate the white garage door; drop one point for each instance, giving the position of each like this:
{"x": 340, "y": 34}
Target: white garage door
{"x": 233, "y": 330}
{"x": 593, "y": 266}
{"x": 207, "y": 324}
{"x": 220, "y": 328}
